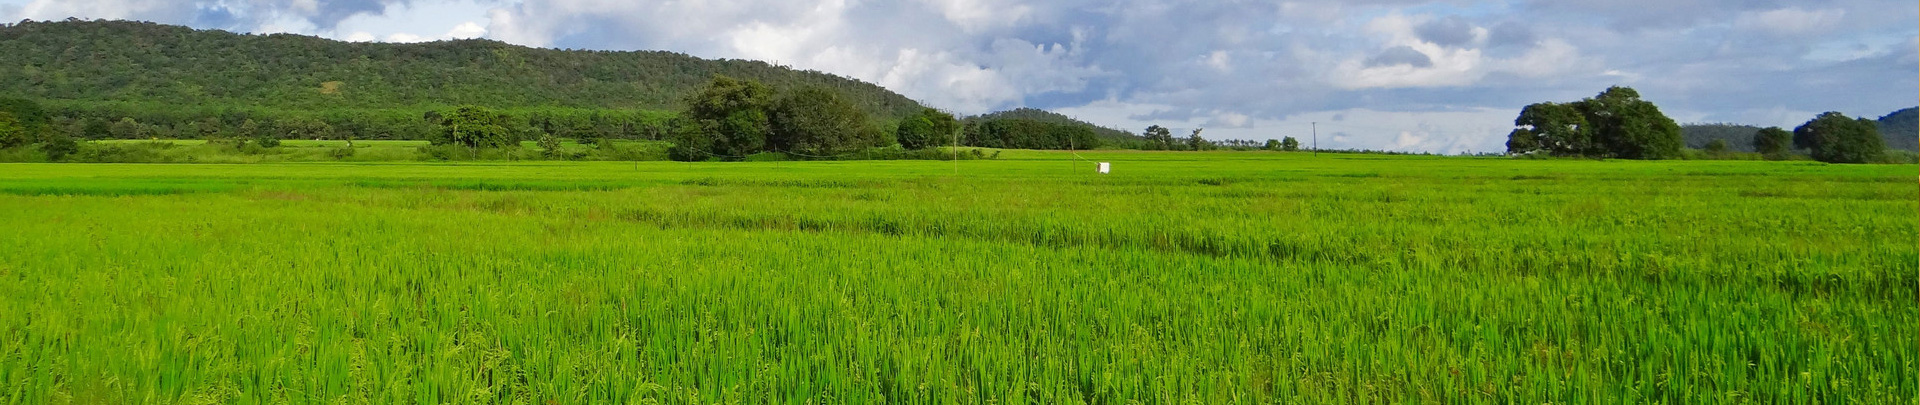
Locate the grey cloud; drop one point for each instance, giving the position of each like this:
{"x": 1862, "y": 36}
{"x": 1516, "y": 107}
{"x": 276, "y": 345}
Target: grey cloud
{"x": 1448, "y": 31}
{"x": 1400, "y": 55}
{"x": 1511, "y": 34}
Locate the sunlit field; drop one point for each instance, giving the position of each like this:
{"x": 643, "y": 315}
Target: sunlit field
{"x": 1231, "y": 277}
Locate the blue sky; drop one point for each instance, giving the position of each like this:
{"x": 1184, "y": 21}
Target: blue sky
{"x": 1437, "y": 76}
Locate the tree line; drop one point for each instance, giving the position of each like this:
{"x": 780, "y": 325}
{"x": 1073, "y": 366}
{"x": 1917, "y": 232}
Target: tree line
{"x": 1617, "y": 123}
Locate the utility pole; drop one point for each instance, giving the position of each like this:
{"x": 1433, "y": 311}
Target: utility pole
{"x": 1316, "y": 139}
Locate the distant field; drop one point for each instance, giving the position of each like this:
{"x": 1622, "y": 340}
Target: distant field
{"x": 1181, "y": 277}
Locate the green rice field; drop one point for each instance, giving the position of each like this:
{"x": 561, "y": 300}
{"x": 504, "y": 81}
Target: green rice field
{"x": 1202, "y": 278}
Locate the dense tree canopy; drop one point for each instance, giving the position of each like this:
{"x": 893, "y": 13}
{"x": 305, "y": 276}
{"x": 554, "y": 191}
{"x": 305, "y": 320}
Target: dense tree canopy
{"x": 1835, "y": 138}
{"x": 137, "y": 63}
{"x": 927, "y": 129}
{"x": 1614, "y": 124}
{"x": 12, "y": 133}
{"x": 476, "y": 127}
{"x": 1019, "y": 133}
{"x": 1773, "y": 142}
{"x": 816, "y": 122}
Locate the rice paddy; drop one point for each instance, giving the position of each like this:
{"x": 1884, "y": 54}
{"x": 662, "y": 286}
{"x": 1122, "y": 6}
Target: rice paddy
{"x": 1232, "y": 277}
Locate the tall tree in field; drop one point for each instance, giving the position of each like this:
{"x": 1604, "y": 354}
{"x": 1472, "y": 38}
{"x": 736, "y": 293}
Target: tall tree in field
{"x": 1556, "y": 128}
{"x": 1616, "y": 123}
{"x": 476, "y": 127}
{"x": 926, "y": 129}
{"x": 734, "y": 114}
{"x": 1522, "y": 141}
{"x": 1290, "y": 144}
{"x": 1195, "y": 142}
{"x": 815, "y": 121}
{"x": 1627, "y": 127}
{"x": 1773, "y": 142}
{"x": 1158, "y": 138}
{"x": 1833, "y": 137}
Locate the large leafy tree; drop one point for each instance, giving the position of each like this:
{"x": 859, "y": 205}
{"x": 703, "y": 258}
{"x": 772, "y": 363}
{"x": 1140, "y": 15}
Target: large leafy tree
{"x": 1290, "y": 144}
{"x": 1833, "y": 137}
{"x": 1627, "y": 127}
{"x": 817, "y": 122}
{"x": 1773, "y": 142}
{"x": 926, "y": 129}
{"x": 476, "y": 127}
{"x": 1557, "y": 128}
{"x": 733, "y": 114}
{"x": 1616, "y": 123}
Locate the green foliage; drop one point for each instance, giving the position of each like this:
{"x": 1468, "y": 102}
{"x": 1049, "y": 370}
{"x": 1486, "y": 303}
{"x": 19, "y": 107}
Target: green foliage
{"x": 1018, "y": 133}
{"x": 692, "y": 140}
{"x": 1106, "y": 135}
{"x": 1627, "y": 127}
{"x": 163, "y": 66}
{"x": 27, "y": 113}
{"x": 816, "y": 122}
{"x": 476, "y": 128}
{"x": 1717, "y": 146}
{"x": 1557, "y": 128}
{"x": 1833, "y": 137}
{"x": 1289, "y": 144}
{"x": 13, "y": 134}
{"x": 1614, "y": 124}
{"x": 1773, "y": 142}
{"x": 59, "y": 146}
{"x": 733, "y": 114}
{"x": 549, "y": 146}
{"x": 1739, "y": 138}
{"x": 1195, "y": 142}
{"x": 1901, "y": 129}
{"x": 1158, "y": 138}
{"x": 929, "y": 128}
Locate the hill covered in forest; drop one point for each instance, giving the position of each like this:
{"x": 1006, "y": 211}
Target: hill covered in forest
{"x": 1900, "y": 130}
{"x": 129, "y": 63}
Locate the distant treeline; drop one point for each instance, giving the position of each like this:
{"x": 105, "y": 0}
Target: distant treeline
{"x": 1617, "y": 123}
{"x": 1899, "y": 130}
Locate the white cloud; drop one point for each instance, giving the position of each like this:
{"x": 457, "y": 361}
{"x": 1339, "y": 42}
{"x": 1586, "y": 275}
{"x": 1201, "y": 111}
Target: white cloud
{"x": 1791, "y": 21}
{"x": 981, "y": 15}
{"x": 466, "y": 30}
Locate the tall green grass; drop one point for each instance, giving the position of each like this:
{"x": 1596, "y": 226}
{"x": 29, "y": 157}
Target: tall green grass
{"x": 1180, "y": 278}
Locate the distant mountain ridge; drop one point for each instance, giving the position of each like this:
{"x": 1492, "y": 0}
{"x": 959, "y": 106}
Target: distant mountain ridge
{"x": 1899, "y": 129}
{"x": 147, "y": 63}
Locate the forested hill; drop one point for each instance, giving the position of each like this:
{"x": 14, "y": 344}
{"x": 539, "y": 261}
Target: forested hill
{"x": 1900, "y": 130}
{"x": 1053, "y": 118}
{"x": 140, "y": 63}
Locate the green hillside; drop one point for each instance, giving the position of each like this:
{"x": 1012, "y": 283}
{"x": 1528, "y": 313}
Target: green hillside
{"x": 146, "y": 64}
{"x": 1901, "y": 129}
{"x": 1050, "y": 117}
